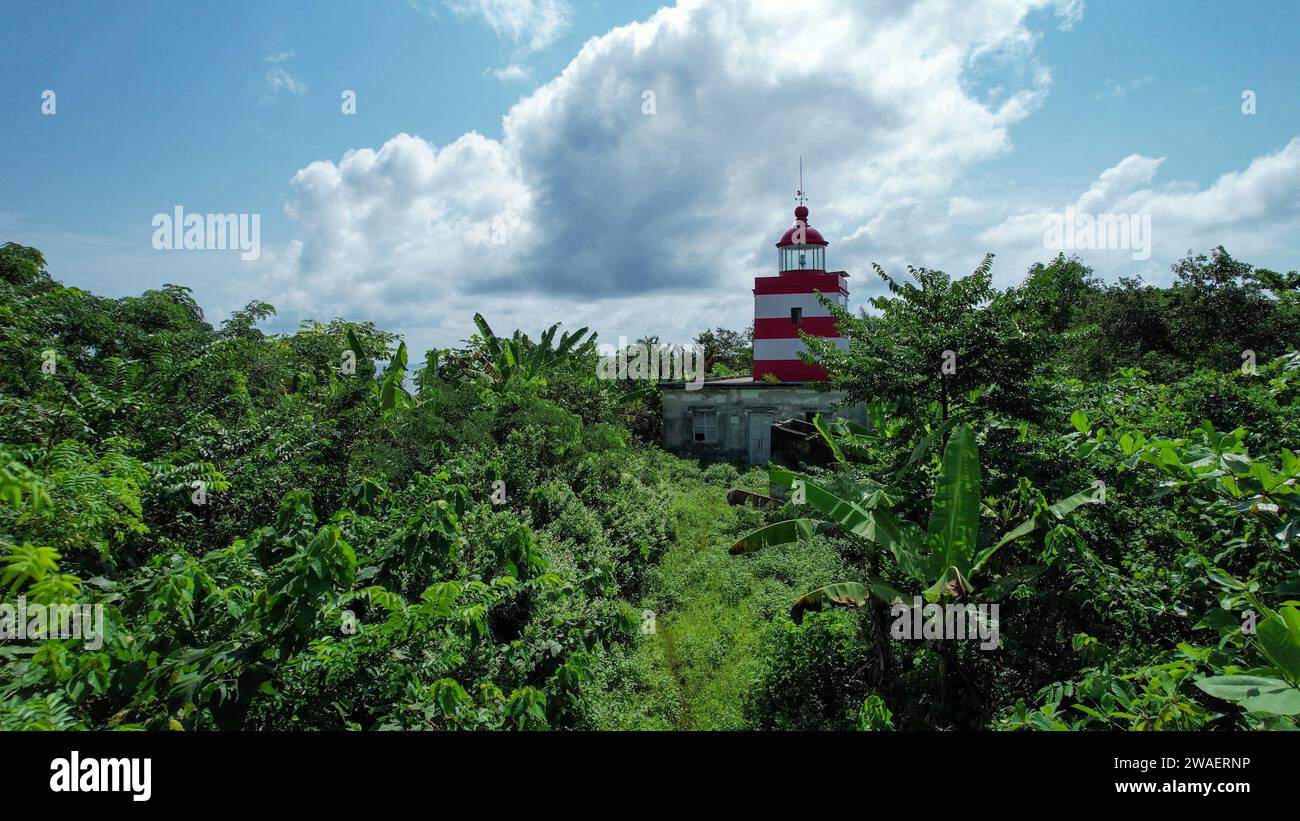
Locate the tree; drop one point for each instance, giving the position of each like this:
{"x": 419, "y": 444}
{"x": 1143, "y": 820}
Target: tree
{"x": 1217, "y": 310}
{"x": 726, "y": 352}
{"x": 1061, "y": 289}
{"x": 941, "y": 560}
{"x": 941, "y": 346}
{"x": 521, "y": 358}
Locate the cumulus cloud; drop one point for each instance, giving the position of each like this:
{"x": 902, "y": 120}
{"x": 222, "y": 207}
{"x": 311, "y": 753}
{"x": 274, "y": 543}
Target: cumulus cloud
{"x": 641, "y": 189}
{"x": 1257, "y": 208}
{"x": 655, "y": 172}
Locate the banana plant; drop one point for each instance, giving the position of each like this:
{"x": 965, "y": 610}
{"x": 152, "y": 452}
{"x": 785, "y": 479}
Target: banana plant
{"x": 520, "y": 357}
{"x": 389, "y": 388}
{"x": 942, "y": 558}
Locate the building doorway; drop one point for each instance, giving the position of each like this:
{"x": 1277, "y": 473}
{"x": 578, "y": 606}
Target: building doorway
{"x": 760, "y": 438}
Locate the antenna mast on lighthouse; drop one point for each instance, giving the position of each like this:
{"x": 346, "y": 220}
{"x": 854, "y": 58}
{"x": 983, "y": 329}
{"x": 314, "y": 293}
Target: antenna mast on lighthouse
{"x": 799, "y": 196}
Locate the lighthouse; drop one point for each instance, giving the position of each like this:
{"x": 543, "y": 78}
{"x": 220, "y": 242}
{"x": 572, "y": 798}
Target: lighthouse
{"x": 767, "y": 416}
{"x": 786, "y": 305}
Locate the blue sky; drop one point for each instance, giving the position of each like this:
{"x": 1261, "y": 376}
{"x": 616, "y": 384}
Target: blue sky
{"x": 532, "y": 185}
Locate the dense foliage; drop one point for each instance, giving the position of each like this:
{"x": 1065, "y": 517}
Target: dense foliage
{"x": 306, "y": 530}
{"x": 1160, "y": 592}
{"x": 282, "y": 536}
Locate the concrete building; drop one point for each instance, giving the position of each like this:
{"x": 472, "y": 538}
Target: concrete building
{"x": 732, "y": 419}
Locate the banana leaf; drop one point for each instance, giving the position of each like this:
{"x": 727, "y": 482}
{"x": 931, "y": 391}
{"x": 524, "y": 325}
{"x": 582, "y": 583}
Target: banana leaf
{"x": 830, "y": 440}
{"x": 952, "y": 583}
{"x": 843, "y": 594}
{"x": 840, "y": 594}
{"x": 955, "y": 514}
{"x": 791, "y": 530}
{"x": 876, "y": 525}
{"x": 1053, "y": 514}
{"x": 923, "y": 446}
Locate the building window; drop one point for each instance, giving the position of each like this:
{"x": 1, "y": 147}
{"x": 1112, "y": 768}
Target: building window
{"x": 706, "y": 427}
{"x": 796, "y": 315}
{"x": 802, "y": 258}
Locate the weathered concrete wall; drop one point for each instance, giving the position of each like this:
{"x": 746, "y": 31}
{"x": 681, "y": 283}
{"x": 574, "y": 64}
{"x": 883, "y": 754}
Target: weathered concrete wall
{"x": 734, "y": 405}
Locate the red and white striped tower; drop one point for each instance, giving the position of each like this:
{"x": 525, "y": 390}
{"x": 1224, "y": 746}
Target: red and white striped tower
{"x": 787, "y": 303}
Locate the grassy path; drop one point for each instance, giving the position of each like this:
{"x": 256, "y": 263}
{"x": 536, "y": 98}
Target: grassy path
{"x": 699, "y": 630}
{"x": 674, "y": 665}
{"x": 714, "y": 616}
{"x": 714, "y": 611}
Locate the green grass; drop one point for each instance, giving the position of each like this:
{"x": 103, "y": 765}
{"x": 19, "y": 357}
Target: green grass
{"x": 714, "y": 613}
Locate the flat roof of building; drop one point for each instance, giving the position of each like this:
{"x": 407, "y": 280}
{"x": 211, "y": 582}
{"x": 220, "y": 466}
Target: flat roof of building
{"x": 739, "y": 382}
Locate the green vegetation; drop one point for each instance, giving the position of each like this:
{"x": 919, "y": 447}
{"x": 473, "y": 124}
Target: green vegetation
{"x": 282, "y": 535}
{"x": 305, "y": 531}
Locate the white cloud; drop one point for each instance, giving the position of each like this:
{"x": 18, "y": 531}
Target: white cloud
{"x": 1257, "y": 209}
{"x": 529, "y": 25}
{"x": 589, "y": 208}
{"x": 1070, "y": 12}
{"x": 1114, "y": 90}
{"x": 511, "y": 73}
{"x": 278, "y": 78}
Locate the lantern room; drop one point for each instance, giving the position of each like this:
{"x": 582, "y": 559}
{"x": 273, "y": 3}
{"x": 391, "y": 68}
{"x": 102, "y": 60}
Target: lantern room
{"x": 802, "y": 247}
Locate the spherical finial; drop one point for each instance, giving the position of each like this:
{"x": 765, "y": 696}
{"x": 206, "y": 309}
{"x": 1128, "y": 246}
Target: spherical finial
{"x": 801, "y": 213}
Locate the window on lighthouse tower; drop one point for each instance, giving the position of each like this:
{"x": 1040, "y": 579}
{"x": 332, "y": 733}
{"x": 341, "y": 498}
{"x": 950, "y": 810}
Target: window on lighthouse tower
{"x": 803, "y": 258}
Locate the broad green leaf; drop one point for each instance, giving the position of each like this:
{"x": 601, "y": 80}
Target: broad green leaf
{"x": 567, "y": 341}
{"x": 486, "y": 330}
{"x": 1238, "y": 463}
{"x": 886, "y": 594}
{"x": 923, "y": 446}
{"x": 854, "y": 428}
{"x": 955, "y": 516}
{"x": 840, "y": 594}
{"x": 391, "y": 392}
{"x": 877, "y": 525}
{"x": 830, "y": 440}
{"x": 1279, "y": 638}
{"x": 848, "y": 515}
{"x": 1080, "y": 421}
{"x": 354, "y": 342}
{"x": 785, "y": 532}
{"x": 1255, "y": 694}
{"x": 952, "y": 583}
{"x": 1054, "y": 513}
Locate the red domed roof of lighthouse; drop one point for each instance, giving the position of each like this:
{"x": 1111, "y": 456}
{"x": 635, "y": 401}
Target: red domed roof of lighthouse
{"x": 811, "y": 235}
